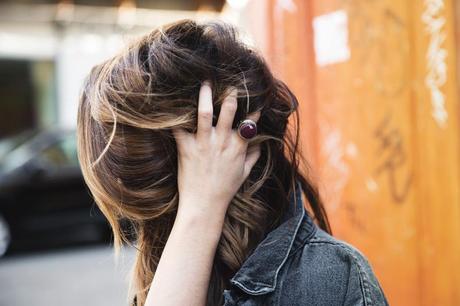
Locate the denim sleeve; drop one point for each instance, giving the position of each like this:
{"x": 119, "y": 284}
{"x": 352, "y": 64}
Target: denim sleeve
{"x": 363, "y": 288}
{"x": 353, "y": 277}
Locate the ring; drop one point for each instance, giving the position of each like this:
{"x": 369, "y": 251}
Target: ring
{"x": 247, "y": 129}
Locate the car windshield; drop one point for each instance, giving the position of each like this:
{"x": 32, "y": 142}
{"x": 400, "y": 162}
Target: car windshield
{"x": 61, "y": 153}
{"x": 11, "y": 143}
{"x": 52, "y": 149}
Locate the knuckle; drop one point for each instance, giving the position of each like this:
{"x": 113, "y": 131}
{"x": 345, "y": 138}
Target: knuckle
{"x": 225, "y": 144}
{"x": 230, "y": 104}
{"x": 201, "y": 147}
{"x": 205, "y": 114}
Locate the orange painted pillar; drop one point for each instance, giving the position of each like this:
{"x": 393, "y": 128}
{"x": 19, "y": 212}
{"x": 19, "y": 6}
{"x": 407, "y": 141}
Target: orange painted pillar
{"x": 436, "y": 151}
{"x": 287, "y": 45}
{"x": 380, "y": 124}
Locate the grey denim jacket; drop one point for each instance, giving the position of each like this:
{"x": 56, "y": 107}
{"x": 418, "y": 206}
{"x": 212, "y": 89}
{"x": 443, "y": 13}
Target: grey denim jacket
{"x": 299, "y": 264}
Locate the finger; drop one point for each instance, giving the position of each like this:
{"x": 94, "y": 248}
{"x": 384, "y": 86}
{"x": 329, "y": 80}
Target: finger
{"x": 252, "y": 156}
{"x": 205, "y": 110}
{"x": 227, "y": 113}
{"x": 179, "y": 135}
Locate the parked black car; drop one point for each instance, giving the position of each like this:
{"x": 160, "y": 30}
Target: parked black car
{"x": 44, "y": 202}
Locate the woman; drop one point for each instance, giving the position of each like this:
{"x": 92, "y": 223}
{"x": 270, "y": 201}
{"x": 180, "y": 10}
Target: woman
{"x": 184, "y": 135}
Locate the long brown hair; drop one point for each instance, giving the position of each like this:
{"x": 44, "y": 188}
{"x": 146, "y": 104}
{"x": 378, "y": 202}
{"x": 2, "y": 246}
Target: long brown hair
{"x": 128, "y": 155}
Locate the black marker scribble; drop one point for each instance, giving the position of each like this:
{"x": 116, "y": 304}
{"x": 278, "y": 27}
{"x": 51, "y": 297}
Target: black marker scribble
{"x": 393, "y": 162}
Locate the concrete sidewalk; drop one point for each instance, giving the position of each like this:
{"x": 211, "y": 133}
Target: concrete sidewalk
{"x": 84, "y": 276}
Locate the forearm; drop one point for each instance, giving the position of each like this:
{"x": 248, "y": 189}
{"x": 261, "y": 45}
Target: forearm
{"x": 212, "y": 165}
{"x": 183, "y": 273}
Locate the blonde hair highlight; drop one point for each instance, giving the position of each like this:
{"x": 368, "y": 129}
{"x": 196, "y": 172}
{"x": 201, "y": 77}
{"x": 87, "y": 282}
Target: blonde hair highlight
{"x": 128, "y": 156}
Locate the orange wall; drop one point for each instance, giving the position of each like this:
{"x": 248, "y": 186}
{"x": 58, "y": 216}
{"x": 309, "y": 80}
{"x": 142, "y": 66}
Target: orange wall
{"x": 389, "y": 171}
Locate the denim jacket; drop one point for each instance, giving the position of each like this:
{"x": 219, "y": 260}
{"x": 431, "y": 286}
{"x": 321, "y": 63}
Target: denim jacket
{"x": 299, "y": 264}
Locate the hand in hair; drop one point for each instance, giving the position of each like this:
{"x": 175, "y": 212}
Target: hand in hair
{"x": 214, "y": 162}
{"x": 212, "y": 165}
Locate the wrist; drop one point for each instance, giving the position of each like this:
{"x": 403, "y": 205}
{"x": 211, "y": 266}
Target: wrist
{"x": 195, "y": 216}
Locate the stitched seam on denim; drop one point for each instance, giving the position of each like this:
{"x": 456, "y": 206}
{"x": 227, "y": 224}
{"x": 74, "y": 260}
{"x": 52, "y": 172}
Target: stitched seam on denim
{"x": 256, "y": 283}
{"x": 246, "y": 290}
{"x": 362, "y": 276}
{"x": 273, "y": 285}
{"x": 280, "y": 289}
{"x": 304, "y": 241}
{"x": 290, "y": 246}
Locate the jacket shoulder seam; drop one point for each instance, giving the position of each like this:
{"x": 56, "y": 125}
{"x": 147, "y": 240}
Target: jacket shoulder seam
{"x": 365, "y": 290}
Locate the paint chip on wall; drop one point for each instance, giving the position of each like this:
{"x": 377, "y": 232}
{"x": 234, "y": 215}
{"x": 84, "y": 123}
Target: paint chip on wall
{"x": 331, "y": 38}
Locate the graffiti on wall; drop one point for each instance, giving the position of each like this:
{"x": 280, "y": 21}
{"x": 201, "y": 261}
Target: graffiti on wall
{"x": 379, "y": 39}
{"x": 392, "y": 159}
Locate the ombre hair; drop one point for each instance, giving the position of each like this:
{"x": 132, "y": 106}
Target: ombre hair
{"x": 128, "y": 154}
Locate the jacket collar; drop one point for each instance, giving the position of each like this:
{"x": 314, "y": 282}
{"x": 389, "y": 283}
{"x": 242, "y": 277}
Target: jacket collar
{"x": 259, "y": 272}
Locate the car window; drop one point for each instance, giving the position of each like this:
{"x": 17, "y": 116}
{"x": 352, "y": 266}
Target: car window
{"x": 61, "y": 153}
{"x": 10, "y": 143}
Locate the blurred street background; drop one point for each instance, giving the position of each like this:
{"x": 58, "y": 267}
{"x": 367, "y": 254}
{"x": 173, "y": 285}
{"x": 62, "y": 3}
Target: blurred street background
{"x": 74, "y": 277}
{"x": 378, "y": 86}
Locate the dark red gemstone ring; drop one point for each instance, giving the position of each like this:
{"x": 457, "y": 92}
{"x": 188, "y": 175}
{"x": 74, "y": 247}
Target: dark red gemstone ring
{"x": 247, "y": 129}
